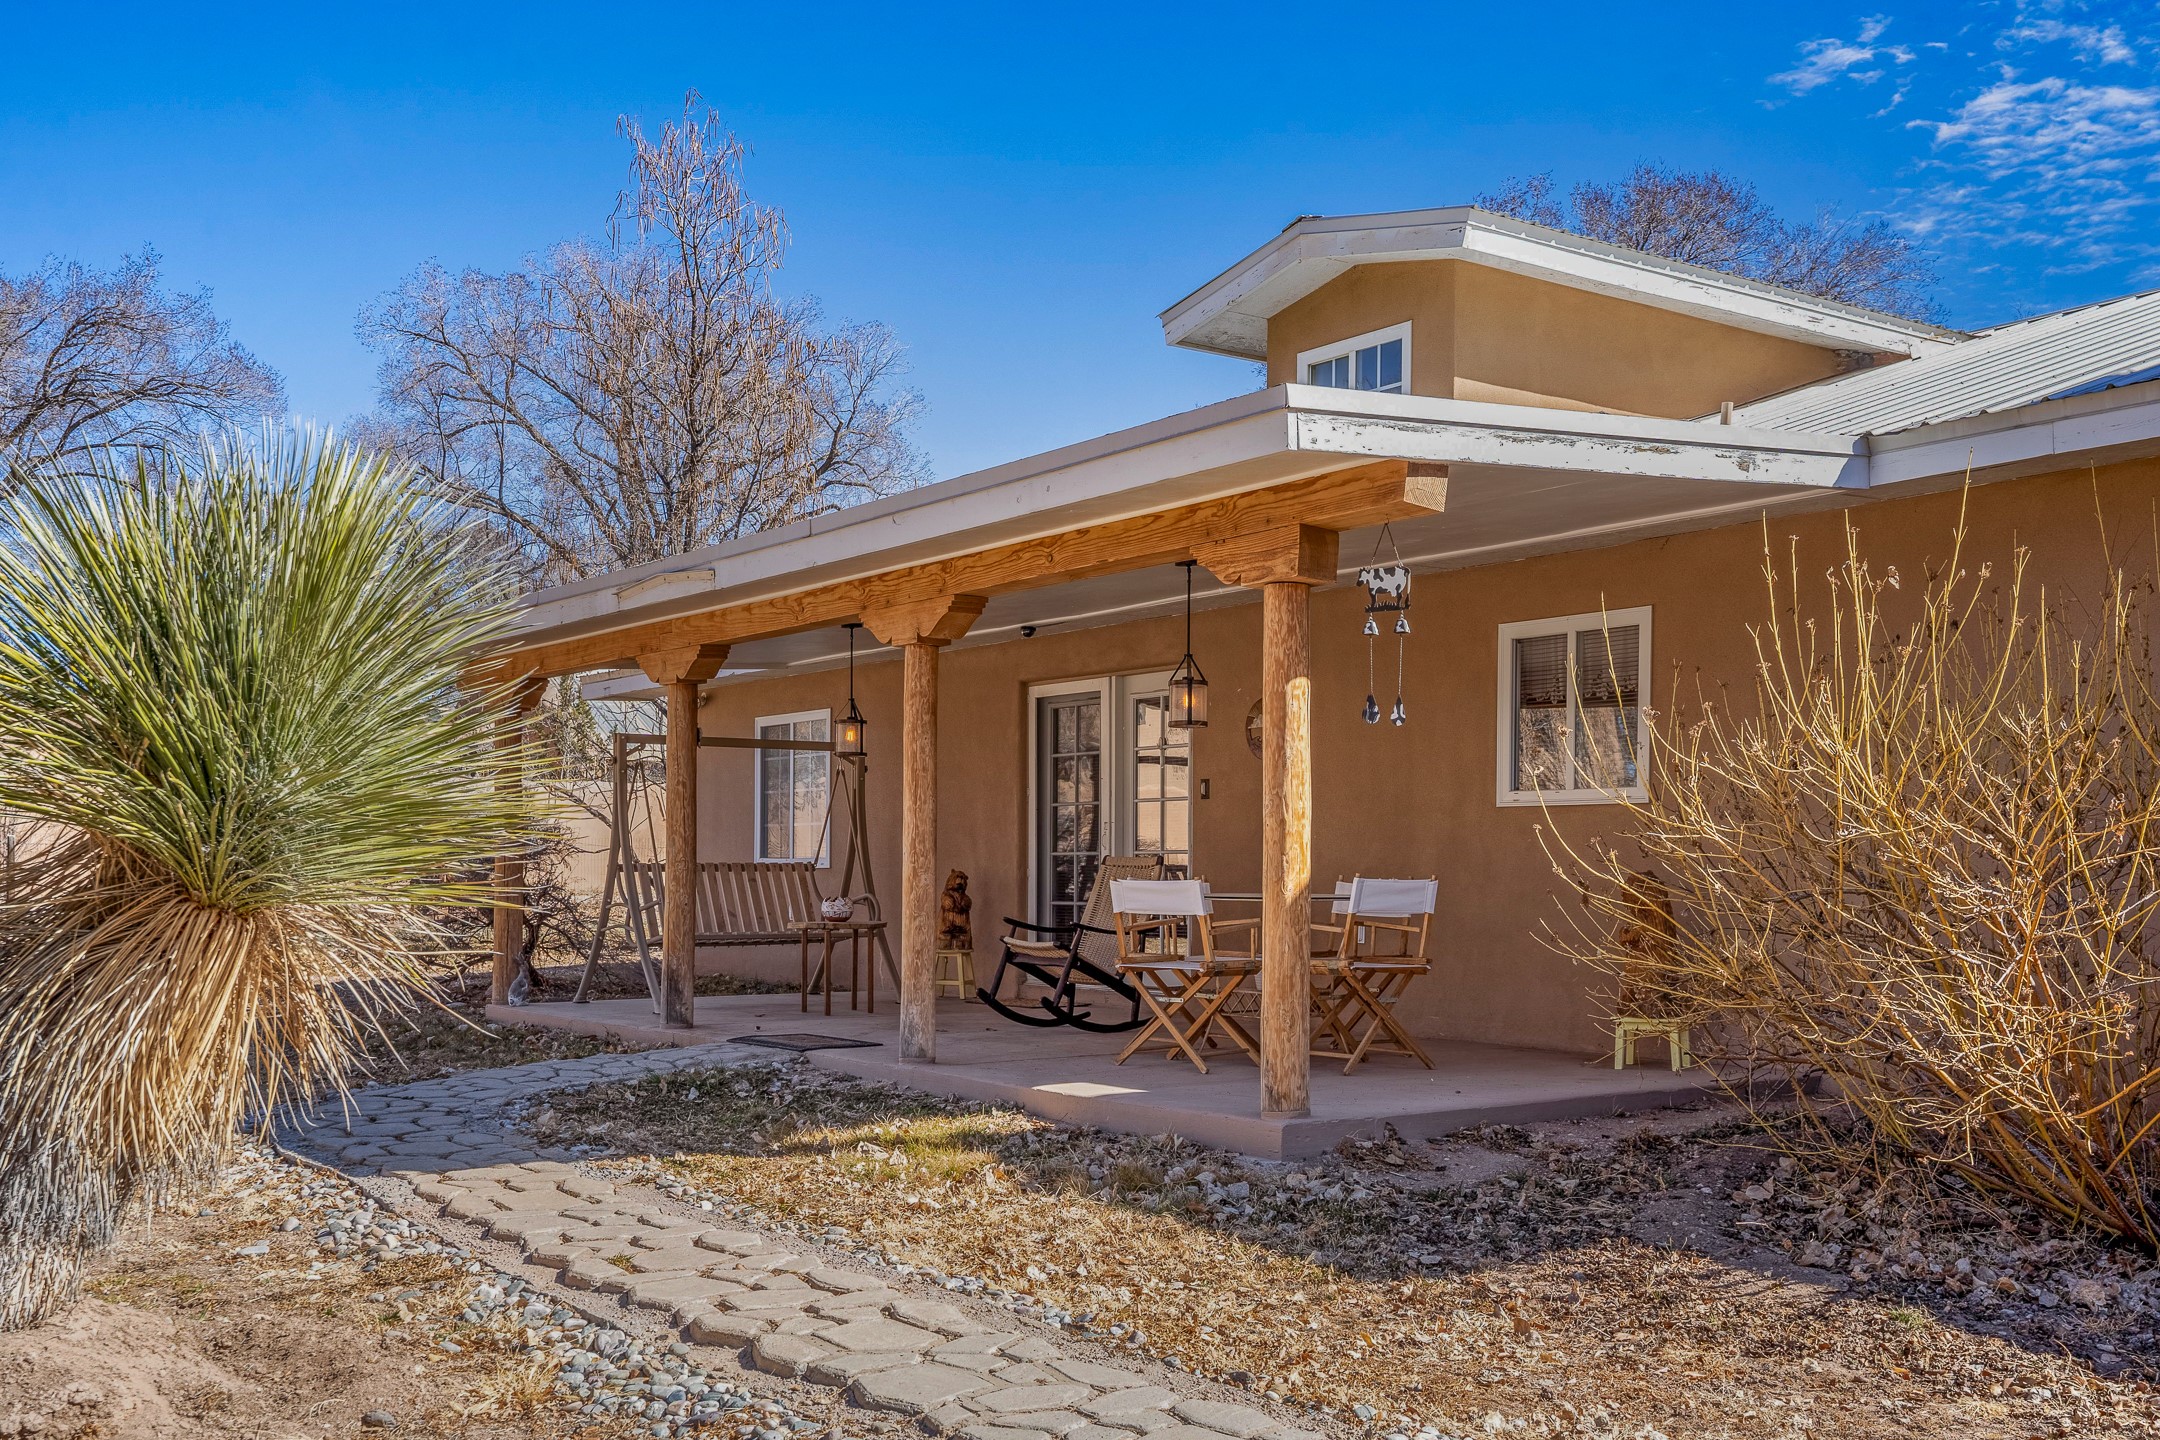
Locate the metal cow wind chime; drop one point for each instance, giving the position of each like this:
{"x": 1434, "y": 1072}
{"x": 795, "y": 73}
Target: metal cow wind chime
{"x": 1387, "y": 592}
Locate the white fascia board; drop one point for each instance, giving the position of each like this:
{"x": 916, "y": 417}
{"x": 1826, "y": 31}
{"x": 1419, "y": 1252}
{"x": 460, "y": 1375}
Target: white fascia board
{"x": 1467, "y": 432}
{"x": 1229, "y": 314}
{"x": 2100, "y": 428}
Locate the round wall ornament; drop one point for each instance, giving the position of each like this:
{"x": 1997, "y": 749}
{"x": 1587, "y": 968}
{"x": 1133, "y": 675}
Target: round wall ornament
{"x": 1252, "y": 728}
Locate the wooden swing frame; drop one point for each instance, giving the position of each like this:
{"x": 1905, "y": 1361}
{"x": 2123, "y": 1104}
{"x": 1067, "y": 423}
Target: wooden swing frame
{"x": 628, "y": 877}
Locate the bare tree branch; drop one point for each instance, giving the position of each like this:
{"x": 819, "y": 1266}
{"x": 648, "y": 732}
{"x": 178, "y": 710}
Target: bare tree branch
{"x": 1711, "y": 219}
{"x": 90, "y": 359}
{"x": 618, "y": 401}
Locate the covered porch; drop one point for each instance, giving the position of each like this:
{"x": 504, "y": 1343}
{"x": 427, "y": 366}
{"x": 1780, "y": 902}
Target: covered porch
{"x": 1276, "y": 496}
{"x": 1073, "y": 1078}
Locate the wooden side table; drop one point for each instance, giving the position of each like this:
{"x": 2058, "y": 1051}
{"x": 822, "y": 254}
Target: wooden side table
{"x": 829, "y": 933}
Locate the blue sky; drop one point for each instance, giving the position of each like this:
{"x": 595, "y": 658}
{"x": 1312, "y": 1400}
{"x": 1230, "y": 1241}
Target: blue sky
{"x": 1017, "y": 191}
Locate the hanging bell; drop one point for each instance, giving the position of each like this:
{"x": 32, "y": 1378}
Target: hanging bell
{"x": 1402, "y": 624}
{"x": 1372, "y": 626}
{"x": 1396, "y": 716}
{"x": 1372, "y": 711}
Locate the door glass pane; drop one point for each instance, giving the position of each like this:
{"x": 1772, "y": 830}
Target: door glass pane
{"x": 1069, "y": 731}
{"x": 1149, "y": 713}
{"x": 1160, "y": 759}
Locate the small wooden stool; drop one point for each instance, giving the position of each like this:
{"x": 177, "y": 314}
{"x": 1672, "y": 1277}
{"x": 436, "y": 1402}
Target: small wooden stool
{"x": 955, "y": 968}
{"x": 1627, "y": 1030}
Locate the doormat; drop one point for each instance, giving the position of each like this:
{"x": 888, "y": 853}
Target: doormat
{"x": 801, "y": 1042}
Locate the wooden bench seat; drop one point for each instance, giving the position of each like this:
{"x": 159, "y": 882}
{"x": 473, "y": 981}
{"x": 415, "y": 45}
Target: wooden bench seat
{"x": 739, "y": 902}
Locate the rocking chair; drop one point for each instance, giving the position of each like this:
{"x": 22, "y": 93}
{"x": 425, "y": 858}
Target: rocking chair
{"x": 1072, "y": 958}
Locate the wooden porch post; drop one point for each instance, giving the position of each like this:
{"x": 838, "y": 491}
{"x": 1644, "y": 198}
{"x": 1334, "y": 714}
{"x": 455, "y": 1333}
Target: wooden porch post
{"x": 509, "y": 878}
{"x": 681, "y": 671}
{"x": 1284, "y": 564}
{"x": 920, "y": 630}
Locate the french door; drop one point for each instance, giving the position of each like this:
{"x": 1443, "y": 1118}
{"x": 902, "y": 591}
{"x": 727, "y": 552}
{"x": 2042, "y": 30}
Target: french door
{"x": 1109, "y": 777}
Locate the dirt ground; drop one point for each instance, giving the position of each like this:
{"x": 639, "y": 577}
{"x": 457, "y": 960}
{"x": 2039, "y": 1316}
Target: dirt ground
{"x": 1600, "y": 1278}
{"x": 179, "y": 1336}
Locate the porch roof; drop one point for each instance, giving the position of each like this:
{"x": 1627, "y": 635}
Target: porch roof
{"x": 1520, "y": 480}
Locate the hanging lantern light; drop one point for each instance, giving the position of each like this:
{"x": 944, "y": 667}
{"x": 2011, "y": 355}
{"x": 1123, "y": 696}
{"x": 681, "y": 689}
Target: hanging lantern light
{"x": 1188, "y": 687}
{"x": 851, "y": 734}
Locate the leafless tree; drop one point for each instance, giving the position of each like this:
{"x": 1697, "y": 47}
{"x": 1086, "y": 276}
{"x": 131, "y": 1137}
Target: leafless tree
{"x": 94, "y": 358}
{"x": 1708, "y": 218}
{"x": 616, "y": 401}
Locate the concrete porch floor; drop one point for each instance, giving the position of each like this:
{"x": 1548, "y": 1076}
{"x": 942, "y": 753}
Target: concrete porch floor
{"x": 1071, "y": 1076}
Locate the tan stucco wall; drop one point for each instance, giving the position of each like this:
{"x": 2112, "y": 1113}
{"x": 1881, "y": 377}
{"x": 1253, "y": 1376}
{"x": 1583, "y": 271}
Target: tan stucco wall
{"x": 1372, "y": 297}
{"x": 1483, "y": 334}
{"x": 1417, "y": 800}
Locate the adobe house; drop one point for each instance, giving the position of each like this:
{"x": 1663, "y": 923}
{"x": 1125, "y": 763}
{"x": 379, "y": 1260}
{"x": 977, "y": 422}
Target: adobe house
{"x": 1579, "y": 452}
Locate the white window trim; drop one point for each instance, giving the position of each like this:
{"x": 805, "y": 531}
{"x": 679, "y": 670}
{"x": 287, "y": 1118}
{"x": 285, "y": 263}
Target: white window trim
{"x": 1308, "y": 358}
{"x": 757, "y": 788}
{"x": 1504, "y": 755}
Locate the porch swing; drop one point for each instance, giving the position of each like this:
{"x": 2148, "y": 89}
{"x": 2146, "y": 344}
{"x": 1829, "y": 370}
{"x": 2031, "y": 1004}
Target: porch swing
{"x": 740, "y": 903}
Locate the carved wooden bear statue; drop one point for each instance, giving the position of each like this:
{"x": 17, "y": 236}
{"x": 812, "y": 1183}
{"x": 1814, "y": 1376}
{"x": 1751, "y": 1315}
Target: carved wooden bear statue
{"x": 954, "y": 930}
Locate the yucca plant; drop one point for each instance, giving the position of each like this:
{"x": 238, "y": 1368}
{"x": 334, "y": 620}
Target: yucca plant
{"x": 230, "y": 704}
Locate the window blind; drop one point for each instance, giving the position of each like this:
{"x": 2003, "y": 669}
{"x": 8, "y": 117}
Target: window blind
{"x": 1608, "y": 665}
{"x": 1541, "y": 672}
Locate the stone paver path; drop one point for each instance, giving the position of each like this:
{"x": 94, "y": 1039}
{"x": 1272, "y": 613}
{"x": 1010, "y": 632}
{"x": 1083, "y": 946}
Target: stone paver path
{"x": 821, "y": 1318}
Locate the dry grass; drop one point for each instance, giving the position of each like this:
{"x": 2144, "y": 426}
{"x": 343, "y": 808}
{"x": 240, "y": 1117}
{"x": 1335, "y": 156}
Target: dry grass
{"x": 1340, "y": 1283}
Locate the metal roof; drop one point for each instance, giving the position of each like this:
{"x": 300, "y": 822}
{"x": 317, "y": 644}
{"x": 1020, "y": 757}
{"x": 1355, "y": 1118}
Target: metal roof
{"x": 2090, "y": 347}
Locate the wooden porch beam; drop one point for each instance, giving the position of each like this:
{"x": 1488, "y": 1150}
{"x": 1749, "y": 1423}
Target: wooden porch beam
{"x": 920, "y": 629}
{"x": 509, "y": 879}
{"x": 1284, "y": 554}
{"x": 939, "y": 620}
{"x": 681, "y": 669}
{"x": 1284, "y": 563}
{"x": 1346, "y": 499}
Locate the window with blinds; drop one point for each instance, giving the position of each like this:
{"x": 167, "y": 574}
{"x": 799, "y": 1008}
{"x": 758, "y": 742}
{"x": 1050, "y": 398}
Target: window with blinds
{"x": 1571, "y": 698}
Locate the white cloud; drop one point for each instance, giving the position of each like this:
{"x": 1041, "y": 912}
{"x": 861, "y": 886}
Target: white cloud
{"x": 2053, "y": 142}
{"x": 2053, "y": 129}
{"x": 1825, "y": 61}
{"x": 2105, "y": 44}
